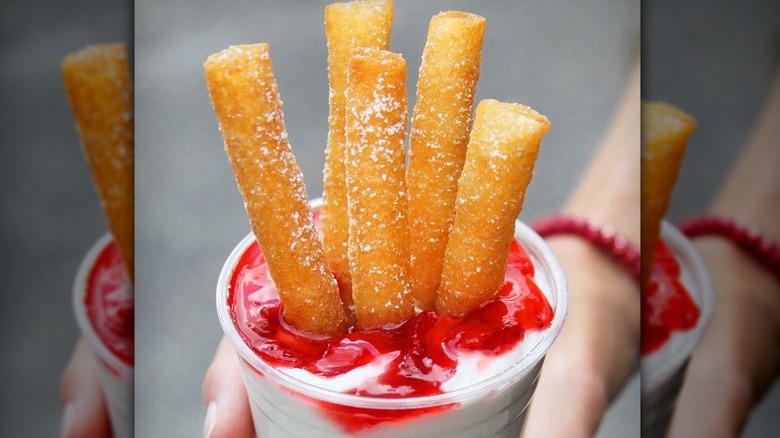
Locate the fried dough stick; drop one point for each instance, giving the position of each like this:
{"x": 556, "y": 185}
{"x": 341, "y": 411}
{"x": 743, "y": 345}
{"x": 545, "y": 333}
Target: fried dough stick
{"x": 665, "y": 132}
{"x": 440, "y": 131}
{"x": 347, "y": 25}
{"x": 100, "y": 92}
{"x": 499, "y": 165}
{"x": 376, "y": 117}
{"x": 246, "y": 101}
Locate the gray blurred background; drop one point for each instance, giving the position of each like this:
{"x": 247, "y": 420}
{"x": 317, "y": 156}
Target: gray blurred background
{"x": 50, "y": 212}
{"x": 569, "y": 60}
{"x": 716, "y": 61}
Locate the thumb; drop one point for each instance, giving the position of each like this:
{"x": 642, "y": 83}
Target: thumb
{"x": 81, "y": 395}
{"x": 225, "y": 397}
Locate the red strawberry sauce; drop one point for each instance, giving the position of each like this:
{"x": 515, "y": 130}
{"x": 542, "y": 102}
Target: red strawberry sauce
{"x": 666, "y": 305}
{"x": 109, "y": 303}
{"x": 427, "y": 346}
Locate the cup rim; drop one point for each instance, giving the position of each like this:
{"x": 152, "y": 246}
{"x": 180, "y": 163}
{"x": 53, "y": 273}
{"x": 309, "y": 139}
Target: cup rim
{"x": 703, "y": 294}
{"x": 532, "y": 243}
{"x": 79, "y": 308}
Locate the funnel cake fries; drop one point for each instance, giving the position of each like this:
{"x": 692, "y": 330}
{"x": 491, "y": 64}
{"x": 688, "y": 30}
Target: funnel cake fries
{"x": 440, "y": 131}
{"x": 99, "y": 88}
{"x": 665, "y": 131}
{"x": 376, "y": 116}
{"x": 347, "y": 25}
{"x": 499, "y": 165}
{"x": 246, "y": 101}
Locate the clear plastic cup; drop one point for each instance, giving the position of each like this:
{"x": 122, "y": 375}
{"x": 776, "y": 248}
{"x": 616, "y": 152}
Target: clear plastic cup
{"x": 115, "y": 375}
{"x": 286, "y": 407}
{"x": 663, "y": 370}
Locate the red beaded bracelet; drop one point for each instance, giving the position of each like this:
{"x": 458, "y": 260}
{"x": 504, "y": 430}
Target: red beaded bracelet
{"x": 604, "y": 238}
{"x": 764, "y": 250}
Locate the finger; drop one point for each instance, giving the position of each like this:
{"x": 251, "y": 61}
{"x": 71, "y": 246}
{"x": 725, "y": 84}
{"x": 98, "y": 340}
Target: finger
{"x": 225, "y": 397}
{"x": 81, "y": 395}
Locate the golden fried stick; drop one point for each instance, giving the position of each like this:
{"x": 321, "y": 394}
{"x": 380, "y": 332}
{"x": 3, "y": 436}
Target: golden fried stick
{"x": 347, "y": 25}
{"x": 246, "y": 101}
{"x": 440, "y": 131}
{"x": 100, "y": 91}
{"x": 376, "y": 116}
{"x": 665, "y": 132}
{"x": 499, "y": 165}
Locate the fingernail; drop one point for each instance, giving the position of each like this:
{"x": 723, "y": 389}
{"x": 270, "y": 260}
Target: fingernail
{"x": 211, "y": 419}
{"x": 67, "y": 419}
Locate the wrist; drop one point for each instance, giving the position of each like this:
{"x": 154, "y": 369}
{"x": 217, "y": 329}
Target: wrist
{"x": 602, "y": 237}
{"x": 604, "y": 311}
{"x": 759, "y": 248}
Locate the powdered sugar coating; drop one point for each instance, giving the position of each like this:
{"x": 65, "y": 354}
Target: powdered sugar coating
{"x": 100, "y": 92}
{"x": 440, "y": 131}
{"x": 499, "y": 165}
{"x": 665, "y": 132}
{"x": 378, "y": 250}
{"x": 347, "y": 25}
{"x": 246, "y": 101}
